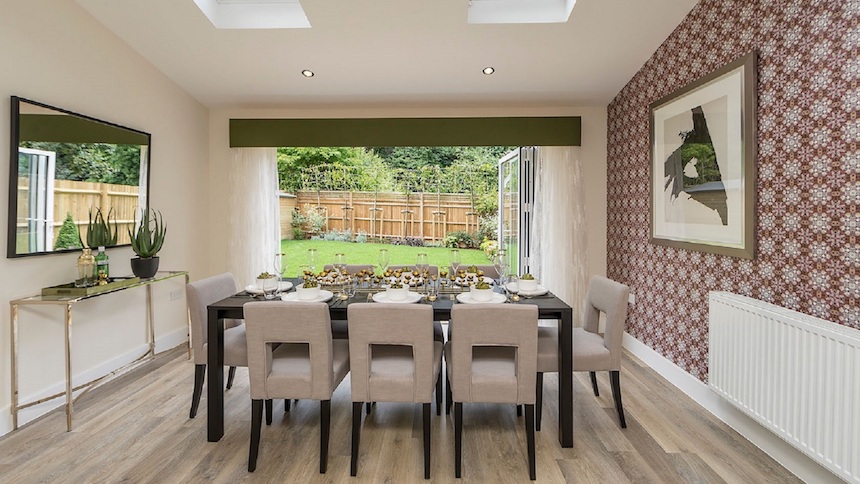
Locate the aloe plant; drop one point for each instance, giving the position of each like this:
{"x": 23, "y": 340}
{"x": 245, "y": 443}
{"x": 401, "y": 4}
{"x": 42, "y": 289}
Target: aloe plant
{"x": 100, "y": 233}
{"x": 149, "y": 237}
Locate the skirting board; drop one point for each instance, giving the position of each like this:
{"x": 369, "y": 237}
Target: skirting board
{"x": 163, "y": 343}
{"x": 789, "y": 457}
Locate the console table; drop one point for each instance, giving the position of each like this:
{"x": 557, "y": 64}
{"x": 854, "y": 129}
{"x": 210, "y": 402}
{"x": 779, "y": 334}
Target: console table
{"x": 68, "y": 302}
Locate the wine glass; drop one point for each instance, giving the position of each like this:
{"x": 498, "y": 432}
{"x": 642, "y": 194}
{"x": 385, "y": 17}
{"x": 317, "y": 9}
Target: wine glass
{"x": 383, "y": 260}
{"x": 280, "y": 265}
{"x": 422, "y": 264}
{"x": 351, "y": 287}
{"x": 312, "y": 260}
{"x": 454, "y": 259}
{"x": 497, "y": 264}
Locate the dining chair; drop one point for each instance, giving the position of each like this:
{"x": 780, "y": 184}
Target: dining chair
{"x": 591, "y": 351}
{"x": 339, "y": 328}
{"x": 306, "y": 363}
{"x": 394, "y": 358}
{"x": 491, "y": 357}
{"x": 201, "y": 294}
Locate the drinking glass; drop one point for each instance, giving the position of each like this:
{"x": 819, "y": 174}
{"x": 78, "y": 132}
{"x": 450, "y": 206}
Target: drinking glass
{"x": 454, "y": 259}
{"x": 351, "y": 287}
{"x": 383, "y": 260}
{"x": 312, "y": 260}
{"x": 513, "y": 286}
{"x": 422, "y": 264}
{"x": 280, "y": 266}
{"x": 497, "y": 264}
{"x": 432, "y": 291}
{"x": 339, "y": 263}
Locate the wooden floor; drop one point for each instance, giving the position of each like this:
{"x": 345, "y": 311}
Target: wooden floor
{"x": 136, "y": 429}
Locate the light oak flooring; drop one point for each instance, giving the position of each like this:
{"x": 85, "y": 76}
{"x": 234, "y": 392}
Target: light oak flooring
{"x": 136, "y": 429}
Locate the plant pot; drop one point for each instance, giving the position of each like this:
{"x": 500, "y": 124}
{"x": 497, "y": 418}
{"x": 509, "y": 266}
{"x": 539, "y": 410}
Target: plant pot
{"x": 144, "y": 268}
{"x": 308, "y": 293}
{"x": 481, "y": 295}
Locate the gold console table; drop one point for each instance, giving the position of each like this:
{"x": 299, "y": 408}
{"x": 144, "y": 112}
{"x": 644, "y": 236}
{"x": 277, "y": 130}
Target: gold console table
{"x": 68, "y": 302}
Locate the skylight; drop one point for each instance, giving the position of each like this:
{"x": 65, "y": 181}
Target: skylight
{"x": 254, "y": 14}
{"x": 519, "y": 11}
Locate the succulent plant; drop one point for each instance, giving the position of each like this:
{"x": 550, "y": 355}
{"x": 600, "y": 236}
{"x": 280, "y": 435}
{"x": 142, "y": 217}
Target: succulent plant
{"x": 396, "y": 285}
{"x": 472, "y": 269}
{"x": 99, "y": 233}
{"x": 527, "y": 277}
{"x": 265, "y": 275}
{"x": 149, "y": 236}
{"x": 482, "y": 285}
{"x": 309, "y": 284}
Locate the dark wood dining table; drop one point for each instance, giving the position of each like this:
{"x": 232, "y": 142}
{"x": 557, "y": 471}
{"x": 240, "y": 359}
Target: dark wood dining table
{"x": 549, "y": 307}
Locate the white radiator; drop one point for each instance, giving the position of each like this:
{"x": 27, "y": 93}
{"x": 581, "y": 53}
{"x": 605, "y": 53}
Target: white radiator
{"x": 797, "y": 375}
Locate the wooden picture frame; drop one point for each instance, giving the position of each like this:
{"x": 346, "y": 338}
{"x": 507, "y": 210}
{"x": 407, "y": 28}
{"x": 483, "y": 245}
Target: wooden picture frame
{"x": 703, "y": 163}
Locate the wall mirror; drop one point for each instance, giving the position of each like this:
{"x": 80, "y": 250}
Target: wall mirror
{"x": 63, "y": 165}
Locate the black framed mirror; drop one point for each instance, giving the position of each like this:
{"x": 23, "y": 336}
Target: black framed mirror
{"x": 63, "y": 165}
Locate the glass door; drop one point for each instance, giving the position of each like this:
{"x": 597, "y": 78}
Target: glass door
{"x": 36, "y": 203}
{"x": 516, "y": 195}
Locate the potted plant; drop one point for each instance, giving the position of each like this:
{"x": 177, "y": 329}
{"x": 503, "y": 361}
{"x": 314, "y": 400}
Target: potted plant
{"x": 309, "y": 290}
{"x": 527, "y": 282}
{"x": 481, "y": 292}
{"x": 146, "y": 241}
{"x": 100, "y": 233}
{"x": 397, "y": 291}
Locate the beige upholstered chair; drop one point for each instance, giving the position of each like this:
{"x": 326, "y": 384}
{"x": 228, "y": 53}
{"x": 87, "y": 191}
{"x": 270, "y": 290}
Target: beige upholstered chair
{"x": 492, "y": 357}
{"x": 394, "y": 358}
{"x": 307, "y": 363}
{"x": 591, "y": 351}
{"x": 200, "y": 294}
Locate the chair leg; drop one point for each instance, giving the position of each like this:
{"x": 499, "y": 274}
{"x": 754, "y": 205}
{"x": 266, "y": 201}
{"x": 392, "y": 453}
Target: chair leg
{"x": 286, "y": 405}
{"x": 325, "y": 426}
{"x": 427, "y": 439}
{"x": 439, "y": 396}
{"x": 448, "y": 396}
{"x": 593, "y": 375}
{"x": 538, "y": 401}
{"x": 458, "y": 439}
{"x": 519, "y": 410}
{"x": 530, "y": 439}
{"x": 230, "y": 375}
{"x": 269, "y": 412}
{"x": 367, "y": 408}
{"x": 356, "y": 437}
{"x": 615, "y": 379}
{"x": 199, "y": 376}
{"x": 256, "y": 424}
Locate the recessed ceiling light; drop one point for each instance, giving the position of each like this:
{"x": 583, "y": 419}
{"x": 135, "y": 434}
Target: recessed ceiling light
{"x": 488, "y": 71}
{"x": 308, "y": 73}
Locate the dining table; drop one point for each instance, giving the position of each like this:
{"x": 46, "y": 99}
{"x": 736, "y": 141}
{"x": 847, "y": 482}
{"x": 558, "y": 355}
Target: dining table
{"x": 549, "y": 307}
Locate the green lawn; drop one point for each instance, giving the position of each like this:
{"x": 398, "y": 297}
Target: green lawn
{"x": 296, "y": 254}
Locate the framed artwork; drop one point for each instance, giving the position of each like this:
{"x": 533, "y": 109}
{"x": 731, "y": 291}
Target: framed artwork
{"x": 703, "y": 157}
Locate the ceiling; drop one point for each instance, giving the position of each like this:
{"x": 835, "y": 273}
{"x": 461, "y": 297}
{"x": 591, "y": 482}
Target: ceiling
{"x": 397, "y": 53}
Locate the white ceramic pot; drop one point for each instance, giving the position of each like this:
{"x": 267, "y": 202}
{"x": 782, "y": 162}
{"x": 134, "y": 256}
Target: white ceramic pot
{"x": 268, "y": 284}
{"x": 528, "y": 284}
{"x": 308, "y": 293}
{"x": 397, "y": 294}
{"x": 481, "y": 295}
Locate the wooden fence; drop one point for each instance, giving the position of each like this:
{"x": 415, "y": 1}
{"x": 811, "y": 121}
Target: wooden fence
{"x": 76, "y": 198}
{"x": 428, "y": 216}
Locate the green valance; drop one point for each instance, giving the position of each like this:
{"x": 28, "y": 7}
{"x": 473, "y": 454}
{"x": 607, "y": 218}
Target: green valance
{"x": 519, "y": 131}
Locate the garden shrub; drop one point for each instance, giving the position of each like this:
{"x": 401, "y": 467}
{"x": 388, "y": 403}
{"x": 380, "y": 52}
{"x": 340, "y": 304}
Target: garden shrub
{"x": 488, "y": 227}
{"x": 460, "y": 239}
{"x": 490, "y": 247}
{"x": 69, "y": 236}
{"x": 409, "y": 241}
{"x": 361, "y": 237}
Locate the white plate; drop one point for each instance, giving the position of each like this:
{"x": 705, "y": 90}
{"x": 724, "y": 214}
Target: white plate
{"x": 324, "y": 296}
{"x": 466, "y": 298}
{"x": 411, "y": 297}
{"x": 254, "y": 289}
{"x": 540, "y": 291}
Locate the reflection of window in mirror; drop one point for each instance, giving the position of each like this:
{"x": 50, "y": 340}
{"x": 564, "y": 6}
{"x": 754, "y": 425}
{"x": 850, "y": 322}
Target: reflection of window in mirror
{"x": 67, "y": 165}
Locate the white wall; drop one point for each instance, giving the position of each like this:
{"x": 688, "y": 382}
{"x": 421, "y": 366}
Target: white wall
{"x": 593, "y": 161}
{"x": 54, "y": 52}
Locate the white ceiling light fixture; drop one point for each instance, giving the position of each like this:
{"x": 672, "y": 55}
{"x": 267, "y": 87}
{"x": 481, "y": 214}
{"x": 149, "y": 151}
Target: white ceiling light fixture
{"x": 254, "y": 14}
{"x": 308, "y": 73}
{"x": 519, "y": 11}
{"x": 488, "y": 71}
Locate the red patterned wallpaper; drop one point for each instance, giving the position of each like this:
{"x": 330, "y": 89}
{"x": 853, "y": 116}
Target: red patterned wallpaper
{"x": 808, "y": 255}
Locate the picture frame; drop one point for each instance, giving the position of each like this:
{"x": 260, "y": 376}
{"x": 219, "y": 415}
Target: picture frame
{"x": 703, "y": 163}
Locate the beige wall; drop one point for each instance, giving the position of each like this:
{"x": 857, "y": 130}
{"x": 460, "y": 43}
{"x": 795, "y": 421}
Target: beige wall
{"x": 54, "y": 52}
{"x": 593, "y": 160}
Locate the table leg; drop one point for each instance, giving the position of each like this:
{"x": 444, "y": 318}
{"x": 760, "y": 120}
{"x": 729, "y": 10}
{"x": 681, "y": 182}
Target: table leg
{"x": 188, "y": 316}
{"x": 565, "y": 379}
{"x": 150, "y": 322}
{"x": 14, "y": 327}
{"x": 69, "y": 387}
{"x": 215, "y": 377}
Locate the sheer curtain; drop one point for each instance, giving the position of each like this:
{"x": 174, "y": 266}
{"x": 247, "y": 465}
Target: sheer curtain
{"x": 558, "y": 237}
{"x": 253, "y": 219}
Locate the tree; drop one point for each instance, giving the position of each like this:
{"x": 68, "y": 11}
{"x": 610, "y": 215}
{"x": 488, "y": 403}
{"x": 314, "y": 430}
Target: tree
{"x": 69, "y": 236}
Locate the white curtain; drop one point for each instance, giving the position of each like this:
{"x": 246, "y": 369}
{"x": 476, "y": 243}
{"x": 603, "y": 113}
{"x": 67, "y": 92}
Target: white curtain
{"x": 558, "y": 247}
{"x": 253, "y": 227}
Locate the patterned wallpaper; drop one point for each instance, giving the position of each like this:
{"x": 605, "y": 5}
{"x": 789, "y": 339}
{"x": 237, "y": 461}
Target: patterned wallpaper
{"x": 808, "y": 231}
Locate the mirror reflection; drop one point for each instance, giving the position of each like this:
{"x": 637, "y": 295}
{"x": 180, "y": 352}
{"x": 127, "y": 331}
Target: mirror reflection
{"x": 66, "y": 167}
